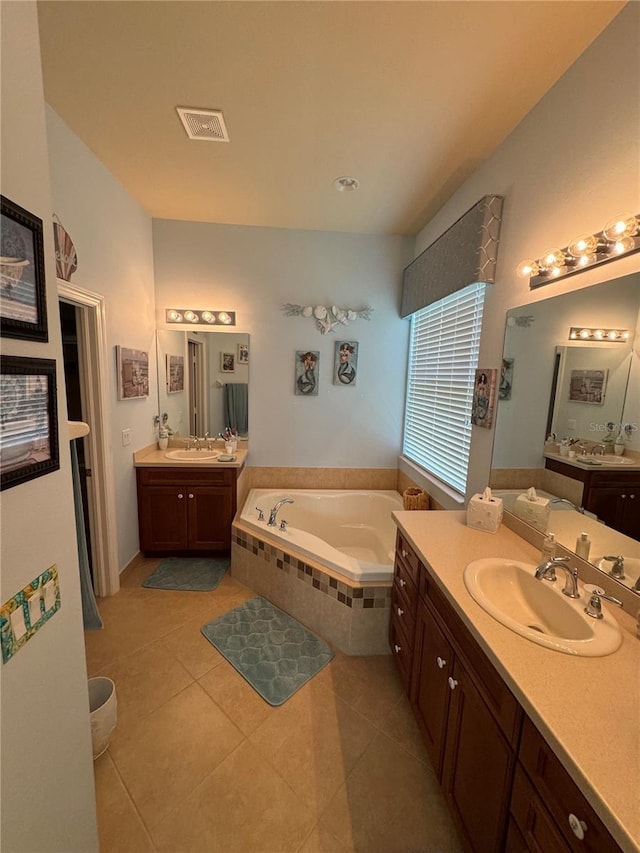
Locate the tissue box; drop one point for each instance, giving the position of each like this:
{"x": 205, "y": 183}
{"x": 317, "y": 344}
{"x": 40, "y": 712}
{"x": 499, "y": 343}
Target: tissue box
{"x": 484, "y": 514}
{"x": 535, "y": 512}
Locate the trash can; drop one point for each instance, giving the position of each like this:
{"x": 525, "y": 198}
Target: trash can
{"x": 103, "y": 713}
{"x": 415, "y": 499}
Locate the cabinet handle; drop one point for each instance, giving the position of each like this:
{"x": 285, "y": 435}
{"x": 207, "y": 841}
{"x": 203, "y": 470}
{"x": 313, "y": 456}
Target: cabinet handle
{"x": 452, "y": 683}
{"x": 399, "y": 611}
{"x": 191, "y": 496}
{"x": 402, "y": 582}
{"x": 397, "y": 649}
{"x": 405, "y": 553}
{"x": 180, "y": 496}
{"x": 441, "y": 662}
{"x": 578, "y": 827}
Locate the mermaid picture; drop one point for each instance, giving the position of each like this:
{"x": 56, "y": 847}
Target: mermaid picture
{"x": 346, "y": 363}
{"x": 306, "y": 373}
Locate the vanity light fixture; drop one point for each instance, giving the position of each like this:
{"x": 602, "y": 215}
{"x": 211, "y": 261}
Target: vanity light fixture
{"x": 205, "y": 317}
{"x": 619, "y": 237}
{"x": 579, "y": 333}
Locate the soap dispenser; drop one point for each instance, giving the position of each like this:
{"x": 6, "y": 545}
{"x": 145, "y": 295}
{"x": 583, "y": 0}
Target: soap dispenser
{"x": 548, "y": 550}
{"x": 583, "y": 544}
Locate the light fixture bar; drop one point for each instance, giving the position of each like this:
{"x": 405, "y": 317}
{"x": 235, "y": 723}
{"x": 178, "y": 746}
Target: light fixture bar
{"x": 605, "y": 336}
{"x": 199, "y": 316}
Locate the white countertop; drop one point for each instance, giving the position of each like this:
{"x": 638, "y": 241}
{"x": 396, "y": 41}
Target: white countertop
{"x": 588, "y": 709}
{"x": 593, "y": 463}
{"x": 151, "y": 457}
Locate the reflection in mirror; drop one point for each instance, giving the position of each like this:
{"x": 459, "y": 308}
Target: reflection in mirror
{"x": 203, "y": 381}
{"x": 541, "y": 362}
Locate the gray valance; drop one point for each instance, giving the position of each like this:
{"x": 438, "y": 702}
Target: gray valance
{"x": 466, "y": 253}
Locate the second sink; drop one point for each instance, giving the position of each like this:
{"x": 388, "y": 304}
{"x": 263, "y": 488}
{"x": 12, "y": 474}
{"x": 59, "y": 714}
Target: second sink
{"x": 192, "y": 455}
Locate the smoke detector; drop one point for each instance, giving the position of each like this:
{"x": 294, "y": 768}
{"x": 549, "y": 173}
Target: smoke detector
{"x": 207, "y": 125}
{"x": 346, "y": 184}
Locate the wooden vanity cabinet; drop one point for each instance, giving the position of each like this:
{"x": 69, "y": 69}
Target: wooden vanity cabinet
{"x": 185, "y": 511}
{"x": 404, "y": 598}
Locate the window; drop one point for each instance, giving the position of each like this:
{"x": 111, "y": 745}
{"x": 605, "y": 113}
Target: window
{"x": 443, "y": 356}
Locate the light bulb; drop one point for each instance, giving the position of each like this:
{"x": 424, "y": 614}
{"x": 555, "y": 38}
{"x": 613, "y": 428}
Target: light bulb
{"x": 208, "y": 317}
{"x": 572, "y": 335}
{"x": 556, "y": 271}
{"x": 625, "y": 244}
{"x": 585, "y": 333}
{"x": 623, "y": 225}
{"x": 612, "y": 335}
{"x": 598, "y": 334}
{"x": 625, "y": 335}
{"x": 191, "y": 316}
{"x": 223, "y": 317}
{"x": 174, "y": 316}
{"x": 528, "y": 268}
{"x": 585, "y": 245}
{"x": 585, "y": 260}
{"x": 553, "y": 259}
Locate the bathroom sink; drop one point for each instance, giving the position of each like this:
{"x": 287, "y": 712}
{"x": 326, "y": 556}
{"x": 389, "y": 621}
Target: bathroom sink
{"x": 538, "y": 610}
{"x": 606, "y": 459}
{"x": 192, "y": 455}
{"x": 631, "y": 568}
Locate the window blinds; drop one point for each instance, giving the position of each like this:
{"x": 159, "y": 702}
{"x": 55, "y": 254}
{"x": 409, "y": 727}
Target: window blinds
{"x": 443, "y": 356}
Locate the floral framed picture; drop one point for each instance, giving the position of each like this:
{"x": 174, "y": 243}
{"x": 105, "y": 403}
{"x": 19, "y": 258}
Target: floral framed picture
{"x": 133, "y": 373}
{"x": 175, "y": 373}
{"x": 307, "y": 367}
{"x": 227, "y": 362}
{"x": 28, "y": 419}
{"x": 243, "y": 353}
{"x": 345, "y": 365}
{"x": 23, "y": 303}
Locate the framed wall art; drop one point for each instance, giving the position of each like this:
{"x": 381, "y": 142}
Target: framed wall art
{"x": 28, "y": 419}
{"x": 23, "y": 303}
{"x": 175, "y": 373}
{"x": 243, "y": 353}
{"x": 588, "y": 386}
{"x": 227, "y": 362}
{"x": 506, "y": 379}
{"x": 307, "y": 366}
{"x": 133, "y": 373}
{"x": 484, "y": 393}
{"x": 345, "y": 365}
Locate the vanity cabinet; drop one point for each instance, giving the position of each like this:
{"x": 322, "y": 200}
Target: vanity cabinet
{"x": 185, "y": 511}
{"x": 404, "y": 598}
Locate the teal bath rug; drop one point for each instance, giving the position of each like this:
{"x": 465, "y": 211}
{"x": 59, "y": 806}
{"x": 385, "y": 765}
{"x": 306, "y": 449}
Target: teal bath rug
{"x": 188, "y": 573}
{"x": 273, "y": 652}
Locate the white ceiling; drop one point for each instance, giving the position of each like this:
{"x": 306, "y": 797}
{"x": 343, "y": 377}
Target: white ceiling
{"x": 408, "y": 97}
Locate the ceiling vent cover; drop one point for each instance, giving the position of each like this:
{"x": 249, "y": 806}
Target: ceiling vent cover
{"x": 207, "y": 125}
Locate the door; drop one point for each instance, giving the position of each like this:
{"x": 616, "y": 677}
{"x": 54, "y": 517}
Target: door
{"x": 197, "y": 408}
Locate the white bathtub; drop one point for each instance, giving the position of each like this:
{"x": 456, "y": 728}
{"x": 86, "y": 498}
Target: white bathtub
{"x": 350, "y": 532}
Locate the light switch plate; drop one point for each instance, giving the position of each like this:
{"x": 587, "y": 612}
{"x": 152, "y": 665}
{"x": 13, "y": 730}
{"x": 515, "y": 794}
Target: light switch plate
{"x": 22, "y": 615}
{"x": 126, "y": 437}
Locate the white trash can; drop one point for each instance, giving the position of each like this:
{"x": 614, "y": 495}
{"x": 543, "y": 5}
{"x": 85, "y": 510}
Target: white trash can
{"x": 103, "y": 708}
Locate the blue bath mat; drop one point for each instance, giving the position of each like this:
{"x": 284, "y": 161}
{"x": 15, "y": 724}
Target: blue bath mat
{"x": 188, "y": 573}
{"x": 273, "y": 652}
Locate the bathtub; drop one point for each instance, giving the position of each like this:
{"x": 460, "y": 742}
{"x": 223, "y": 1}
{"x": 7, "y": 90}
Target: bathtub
{"x": 350, "y": 532}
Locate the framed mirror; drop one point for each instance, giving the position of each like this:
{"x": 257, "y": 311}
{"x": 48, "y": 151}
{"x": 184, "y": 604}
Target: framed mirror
{"x": 575, "y": 389}
{"x": 203, "y": 381}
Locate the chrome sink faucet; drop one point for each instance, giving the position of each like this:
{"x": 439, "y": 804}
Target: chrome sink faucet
{"x": 617, "y": 570}
{"x": 274, "y": 512}
{"x": 547, "y": 570}
{"x": 601, "y": 447}
{"x": 594, "y": 606}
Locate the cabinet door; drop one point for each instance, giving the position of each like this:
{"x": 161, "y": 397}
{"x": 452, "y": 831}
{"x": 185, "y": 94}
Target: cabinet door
{"x": 162, "y": 512}
{"x": 630, "y": 512}
{"x": 209, "y": 513}
{"x": 433, "y": 660}
{"x": 478, "y": 766}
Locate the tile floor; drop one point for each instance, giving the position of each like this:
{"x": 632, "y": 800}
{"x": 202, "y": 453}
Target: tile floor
{"x": 199, "y": 762}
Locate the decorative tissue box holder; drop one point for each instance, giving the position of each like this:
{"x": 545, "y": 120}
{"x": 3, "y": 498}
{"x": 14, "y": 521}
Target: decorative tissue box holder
{"x": 535, "y": 511}
{"x": 484, "y": 512}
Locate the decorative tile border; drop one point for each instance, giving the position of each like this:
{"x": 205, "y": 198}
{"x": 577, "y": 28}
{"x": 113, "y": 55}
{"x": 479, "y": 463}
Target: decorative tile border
{"x": 354, "y": 596}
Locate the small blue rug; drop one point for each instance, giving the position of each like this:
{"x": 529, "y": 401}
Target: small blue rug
{"x": 273, "y": 652}
{"x": 188, "y": 573}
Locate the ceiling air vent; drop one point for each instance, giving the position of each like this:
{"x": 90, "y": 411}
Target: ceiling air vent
{"x": 207, "y": 125}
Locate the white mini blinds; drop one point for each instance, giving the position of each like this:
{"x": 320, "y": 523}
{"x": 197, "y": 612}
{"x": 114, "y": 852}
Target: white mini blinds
{"x": 443, "y": 356}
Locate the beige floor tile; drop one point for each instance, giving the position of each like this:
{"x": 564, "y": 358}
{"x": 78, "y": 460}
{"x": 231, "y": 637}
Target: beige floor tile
{"x": 320, "y": 840}
{"x": 167, "y": 754}
{"x": 191, "y": 648}
{"x": 314, "y": 741}
{"x": 401, "y": 727}
{"x": 244, "y": 806}
{"x": 373, "y": 811}
{"x": 236, "y": 697}
{"x": 120, "y": 828}
{"x": 145, "y": 680}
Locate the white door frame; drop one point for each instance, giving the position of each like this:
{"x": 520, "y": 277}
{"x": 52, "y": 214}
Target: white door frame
{"x": 93, "y": 328}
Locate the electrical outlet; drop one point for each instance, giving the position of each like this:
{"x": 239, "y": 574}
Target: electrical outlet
{"x": 126, "y": 437}
{"x": 571, "y": 423}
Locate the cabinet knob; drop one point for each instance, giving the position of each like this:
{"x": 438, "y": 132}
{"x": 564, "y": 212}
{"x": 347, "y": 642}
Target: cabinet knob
{"x": 399, "y": 611}
{"x": 441, "y": 662}
{"x": 402, "y": 582}
{"x": 191, "y": 496}
{"x": 452, "y": 683}
{"x": 578, "y": 827}
{"x": 405, "y": 553}
{"x": 397, "y": 649}
{"x": 623, "y": 497}
{"x": 632, "y": 497}
{"x": 180, "y": 496}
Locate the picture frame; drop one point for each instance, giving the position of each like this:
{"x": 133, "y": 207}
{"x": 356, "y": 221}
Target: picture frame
{"x": 506, "y": 379}
{"x": 23, "y": 303}
{"x": 243, "y": 353}
{"x": 345, "y": 363}
{"x": 484, "y": 394}
{"x": 227, "y": 362}
{"x": 588, "y": 386}
{"x": 307, "y": 367}
{"x": 175, "y": 373}
{"x": 132, "y": 366}
{"x": 29, "y": 445}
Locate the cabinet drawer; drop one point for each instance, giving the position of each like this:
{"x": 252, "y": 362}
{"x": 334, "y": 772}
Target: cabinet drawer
{"x": 174, "y": 476}
{"x": 494, "y": 691}
{"x": 401, "y": 649}
{"x": 536, "y": 829}
{"x": 408, "y": 556}
{"x": 402, "y": 614}
{"x": 403, "y": 586}
{"x": 561, "y": 795}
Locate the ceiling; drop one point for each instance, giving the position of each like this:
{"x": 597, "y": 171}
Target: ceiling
{"x": 407, "y": 97}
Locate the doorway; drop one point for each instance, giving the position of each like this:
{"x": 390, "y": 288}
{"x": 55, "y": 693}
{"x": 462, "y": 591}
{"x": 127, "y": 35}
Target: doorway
{"x": 197, "y": 409}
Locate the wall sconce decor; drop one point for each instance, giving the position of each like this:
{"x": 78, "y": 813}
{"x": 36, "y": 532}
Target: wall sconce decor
{"x": 326, "y": 319}
{"x": 204, "y": 317}
{"x": 619, "y": 237}
{"x": 579, "y": 333}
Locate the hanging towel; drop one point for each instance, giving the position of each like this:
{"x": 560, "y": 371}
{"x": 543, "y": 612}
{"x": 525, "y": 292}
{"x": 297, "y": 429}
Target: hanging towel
{"x": 236, "y": 406}
{"x": 90, "y": 614}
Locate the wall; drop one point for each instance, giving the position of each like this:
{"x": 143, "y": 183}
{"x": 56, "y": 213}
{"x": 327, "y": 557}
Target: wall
{"x": 112, "y": 236}
{"x": 47, "y": 773}
{"x": 571, "y": 165}
{"x": 254, "y": 271}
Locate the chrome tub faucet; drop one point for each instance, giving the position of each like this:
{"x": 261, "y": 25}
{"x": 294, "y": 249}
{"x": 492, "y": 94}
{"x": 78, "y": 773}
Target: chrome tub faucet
{"x": 547, "y": 570}
{"x": 273, "y": 514}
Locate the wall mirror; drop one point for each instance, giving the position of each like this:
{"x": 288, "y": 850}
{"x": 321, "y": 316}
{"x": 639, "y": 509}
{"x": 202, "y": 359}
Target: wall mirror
{"x": 203, "y": 381}
{"x": 538, "y": 363}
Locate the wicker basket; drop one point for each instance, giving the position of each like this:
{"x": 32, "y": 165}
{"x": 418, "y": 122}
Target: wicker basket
{"x": 415, "y": 499}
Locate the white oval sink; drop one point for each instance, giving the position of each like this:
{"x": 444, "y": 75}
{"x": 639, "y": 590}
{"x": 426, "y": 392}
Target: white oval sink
{"x": 538, "y": 610}
{"x": 192, "y": 455}
{"x": 610, "y": 459}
